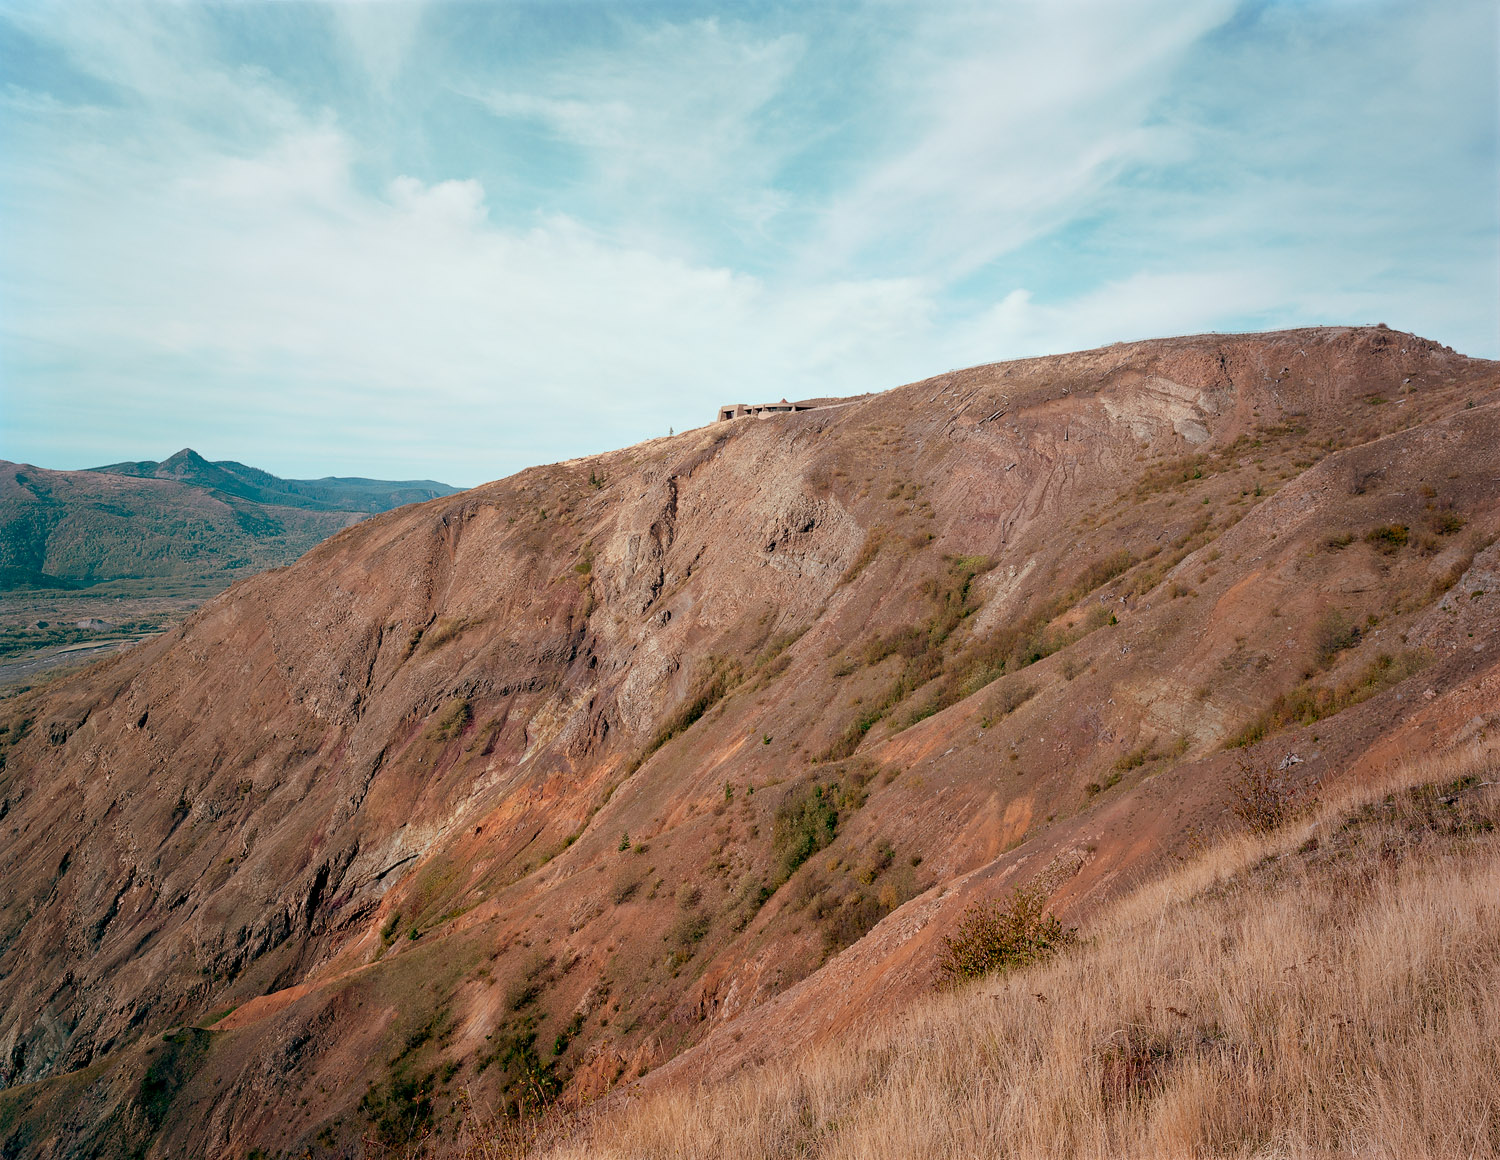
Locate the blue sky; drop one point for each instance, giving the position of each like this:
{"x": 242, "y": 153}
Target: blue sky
{"x": 452, "y": 240}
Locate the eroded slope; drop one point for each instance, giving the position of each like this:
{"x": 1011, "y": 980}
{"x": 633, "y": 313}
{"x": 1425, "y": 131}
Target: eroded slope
{"x": 524, "y": 791}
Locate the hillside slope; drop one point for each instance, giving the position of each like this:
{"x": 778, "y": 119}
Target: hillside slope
{"x": 694, "y": 750}
{"x": 1329, "y": 988}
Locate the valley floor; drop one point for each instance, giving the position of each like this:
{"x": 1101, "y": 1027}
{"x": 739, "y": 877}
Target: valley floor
{"x": 45, "y": 634}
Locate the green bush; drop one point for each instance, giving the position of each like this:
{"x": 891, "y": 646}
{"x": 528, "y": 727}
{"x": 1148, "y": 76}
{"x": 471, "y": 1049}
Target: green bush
{"x": 456, "y": 716}
{"x": 401, "y": 1111}
{"x": 1001, "y": 935}
{"x": 528, "y": 1083}
{"x": 805, "y": 822}
{"x": 1388, "y": 538}
{"x": 688, "y": 930}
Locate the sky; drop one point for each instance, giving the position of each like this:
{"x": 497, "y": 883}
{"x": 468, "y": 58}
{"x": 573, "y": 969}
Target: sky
{"x": 451, "y": 240}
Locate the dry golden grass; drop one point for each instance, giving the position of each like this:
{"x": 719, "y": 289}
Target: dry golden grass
{"x": 1331, "y": 988}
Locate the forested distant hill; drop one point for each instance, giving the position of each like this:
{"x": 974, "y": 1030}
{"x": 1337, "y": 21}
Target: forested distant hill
{"x": 331, "y": 493}
{"x": 180, "y": 523}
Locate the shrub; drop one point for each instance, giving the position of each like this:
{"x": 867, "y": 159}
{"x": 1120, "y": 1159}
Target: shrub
{"x": 1094, "y": 788}
{"x": 401, "y": 1111}
{"x": 753, "y": 893}
{"x": 1137, "y": 757}
{"x": 1100, "y": 572}
{"x": 528, "y": 1083}
{"x": 1447, "y": 522}
{"x": 626, "y": 883}
{"x": 1001, "y": 935}
{"x": 1388, "y": 538}
{"x": 456, "y": 715}
{"x": 1264, "y": 798}
{"x": 878, "y": 863}
{"x": 1010, "y": 697}
{"x": 1335, "y": 633}
{"x": 805, "y": 822}
{"x": 688, "y": 930}
{"x": 854, "y": 916}
{"x": 846, "y": 906}
{"x": 808, "y": 817}
{"x": 568, "y": 1033}
{"x": 523, "y": 992}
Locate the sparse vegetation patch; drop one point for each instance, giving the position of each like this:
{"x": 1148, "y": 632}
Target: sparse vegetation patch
{"x": 1331, "y": 980}
{"x": 1387, "y": 538}
{"x": 807, "y": 819}
{"x": 452, "y": 720}
{"x": 717, "y": 679}
{"x": 446, "y": 629}
{"x": 1310, "y": 702}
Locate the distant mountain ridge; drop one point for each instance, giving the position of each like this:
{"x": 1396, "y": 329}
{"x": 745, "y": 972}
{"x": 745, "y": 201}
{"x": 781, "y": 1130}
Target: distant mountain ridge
{"x": 183, "y": 524}
{"x": 329, "y": 494}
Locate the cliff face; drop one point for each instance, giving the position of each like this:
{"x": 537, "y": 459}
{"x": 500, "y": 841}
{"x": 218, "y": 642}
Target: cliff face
{"x": 528, "y": 790}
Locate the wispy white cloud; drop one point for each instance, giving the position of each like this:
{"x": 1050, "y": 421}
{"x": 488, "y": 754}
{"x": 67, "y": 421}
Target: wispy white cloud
{"x": 204, "y": 249}
{"x": 1137, "y": 306}
{"x": 673, "y": 114}
{"x": 1017, "y": 118}
{"x": 379, "y": 38}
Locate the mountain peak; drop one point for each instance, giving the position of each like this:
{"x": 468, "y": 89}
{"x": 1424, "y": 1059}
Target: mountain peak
{"x": 185, "y": 461}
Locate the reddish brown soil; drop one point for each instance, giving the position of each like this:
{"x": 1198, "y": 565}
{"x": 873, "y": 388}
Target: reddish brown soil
{"x": 442, "y": 722}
